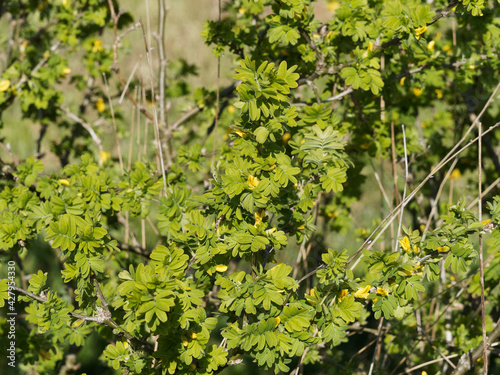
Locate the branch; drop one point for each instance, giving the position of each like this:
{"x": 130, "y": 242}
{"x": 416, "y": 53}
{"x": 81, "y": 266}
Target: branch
{"x": 467, "y": 359}
{"x": 116, "y": 66}
{"x": 86, "y": 126}
{"x": 439, "y": 14}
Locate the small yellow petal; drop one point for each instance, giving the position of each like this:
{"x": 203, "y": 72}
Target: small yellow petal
{"x": 443, "y": 249}
{"x": 484, "y": 222}
{"x": 370, "y": 46}
{"x": 278, "y": 321}
{"x": 100, "y": 105}
{"x": 104, "y": 156}
{"x": 402, "y": 81}
{"x": 66, "y": 71}
{"x": 240, "y": 133}
{"x": 405, "y": 244}
{"x": 439, "y": 93}
{"x": 333, "y": 5}
{"x": 286, "y": 137}
{"x": 343, "y": 294}
{"x": 420, "y": 31}
{"x": 4, "y": 84}
{"x": 259, "y": 215}
{"x": 64, "y": 182}
{"x": 185, "y": 342}
{"x": 430, "y": 45}
{"x": 363, "y": 292}
{"x": 193, "y": 334}
{"x": 417, "y": 91}
{"x": 253, "y": 182}
{"x": 221, "y": 268}
{"x": 97, "y": 46}
{"x": 455, "y": 175}
{"x": 383, "y": 292}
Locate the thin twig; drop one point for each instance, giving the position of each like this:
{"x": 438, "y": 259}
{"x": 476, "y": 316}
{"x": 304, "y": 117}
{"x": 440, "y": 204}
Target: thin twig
{"x": 396, "y": 246}
{"x": 435, "y": 202}
{"x": 451, "y": 154}
{"x": 157, "y": 128}
{"x": 485, "y": 192}
{"x": 117, "y": 141}
{"x": 125, "y": 89}
{"x": 86, "y": 126}
{"x": 379, "y": 335}
{"x": 481, "y": 269}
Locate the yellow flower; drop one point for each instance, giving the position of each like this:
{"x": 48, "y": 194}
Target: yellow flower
{"x": 443, "y": 249}
{"x": 455, "y": 175}
{"x": 185, "y": 342}
{"x": 23, "y": 46}
{"x": 430, "y": 45}
{"x": 97, "y": 46}
{"x": 424, "y": 373}
{"x": 240, "y": 133}
{"x": 343, "y": 294}
{"x": 420, "y": 31}
{"x": 100, "y": 105}
{"x": 312, "y": 292}
{"x": 286, "y": 137}
{"x": 104, "y": 156}
{"x": 64, "y": 182}
{"x": 278, "y": 321}
{"x": 370, "y": 46}
{"x": 383, "y": 292}
{"x": 66, "y": 71}
{"x": 220, "y": 268}
{"x": 271, "y": 231}
{"x": 193, "y": 335}
{"x": 405, "y": 244}
{"x": 417, "y": 91}
{"x": 259, "y": 215}
{"x": 402, "y": 81}
{"x": 484, "y": 222}
{"x": 363, "y": 292}
{"x": 439, "y": 93}
{"x": 416, "y": 250}
{"x": 4, "y": 85}
{"x": 253, "y": 182}
{"x": 333, "y": 5}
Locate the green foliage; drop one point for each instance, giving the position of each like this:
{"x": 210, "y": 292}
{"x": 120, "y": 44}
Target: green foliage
{"x": 242, "y": 261}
